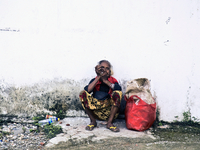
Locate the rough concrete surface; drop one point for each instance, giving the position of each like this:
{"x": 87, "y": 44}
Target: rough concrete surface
{"x": 168, "y": 136}
{"x": 75, "y": 133}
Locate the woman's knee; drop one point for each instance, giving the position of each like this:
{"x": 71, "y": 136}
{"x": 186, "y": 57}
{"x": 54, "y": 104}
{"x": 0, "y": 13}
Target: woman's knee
{"x": 82, "y": 93}
{"x": 116, "y": 97}
{"x": 117, "y": 94}
{"x": 84, "y": 98}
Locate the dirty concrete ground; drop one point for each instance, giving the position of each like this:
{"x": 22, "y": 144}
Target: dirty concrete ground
{"x": 175, "y": 136}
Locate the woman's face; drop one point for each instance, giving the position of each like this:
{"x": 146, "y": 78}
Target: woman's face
{"x": 105, "y": 66}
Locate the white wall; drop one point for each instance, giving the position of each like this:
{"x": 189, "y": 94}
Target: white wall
{"x": 155, "y": 39}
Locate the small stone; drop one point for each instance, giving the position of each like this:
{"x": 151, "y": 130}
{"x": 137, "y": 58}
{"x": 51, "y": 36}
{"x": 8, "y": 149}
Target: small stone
{"x": 14, "y": 137}
{"x": 4, "y": 126}
{"x": 67, "y": 124}
{"x": 6, "y": 129}
{"x": 42, "y": 133}
{"x": 5, "y": 147}
{"x": 4, "y": 138}
{"x": 60, "y": 122}
{"x": 42, "y": 143}
{"x": 9, "y": 136}
{"x": 20, "y": 138}
{"x": 34, "y": 127}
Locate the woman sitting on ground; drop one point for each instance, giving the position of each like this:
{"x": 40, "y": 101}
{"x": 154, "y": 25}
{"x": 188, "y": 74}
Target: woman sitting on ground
{"x": 106, "y": 97}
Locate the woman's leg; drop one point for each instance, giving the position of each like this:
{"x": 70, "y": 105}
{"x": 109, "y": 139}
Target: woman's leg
{"x": 113, "y": 112}
{"x": 84, "y": 99}
{"x": 91, "y": 116}
{"x": 116, "y": 97}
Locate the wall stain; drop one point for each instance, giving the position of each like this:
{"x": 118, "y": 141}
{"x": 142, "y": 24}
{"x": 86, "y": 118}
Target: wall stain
{"x": 168, "y": 20}
{"x": 41, "y": 97}
{"x": 166, "y": 42}
{"x": 46, "y": 97}
{"x": 9, "y": 29}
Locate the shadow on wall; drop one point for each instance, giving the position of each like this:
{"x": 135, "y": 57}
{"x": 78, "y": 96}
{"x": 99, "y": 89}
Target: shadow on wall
{"x": 46, "y": 97}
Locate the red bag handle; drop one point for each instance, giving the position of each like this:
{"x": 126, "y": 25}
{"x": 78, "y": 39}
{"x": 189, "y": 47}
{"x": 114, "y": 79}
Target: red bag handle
{"x": 131, "y": 98}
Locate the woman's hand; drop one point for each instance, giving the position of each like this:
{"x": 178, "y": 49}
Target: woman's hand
{"x": 97, "y": 70}
{"x": 100, "y": 71}
{"x": 103, "y": 74}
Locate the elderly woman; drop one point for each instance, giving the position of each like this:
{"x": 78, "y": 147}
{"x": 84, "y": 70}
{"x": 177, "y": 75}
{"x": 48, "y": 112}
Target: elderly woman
{"x": 101, "y": 98}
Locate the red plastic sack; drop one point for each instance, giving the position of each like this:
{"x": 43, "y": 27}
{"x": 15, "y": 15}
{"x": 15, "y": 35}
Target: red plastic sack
{"x": 139, "y": 116}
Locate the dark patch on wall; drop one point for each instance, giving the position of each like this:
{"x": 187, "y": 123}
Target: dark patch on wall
{"x": 48, "y": 97}
{"x": 168, "y": 20}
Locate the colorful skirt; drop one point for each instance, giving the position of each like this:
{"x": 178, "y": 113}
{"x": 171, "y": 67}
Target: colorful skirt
{"x": 101, "y": 108}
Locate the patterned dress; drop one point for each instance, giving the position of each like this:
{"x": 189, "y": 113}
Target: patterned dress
{"x": 101, "y": 107}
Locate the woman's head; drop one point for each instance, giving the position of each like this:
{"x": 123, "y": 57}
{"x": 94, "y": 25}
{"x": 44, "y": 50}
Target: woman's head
{"x": 107, "y": 66}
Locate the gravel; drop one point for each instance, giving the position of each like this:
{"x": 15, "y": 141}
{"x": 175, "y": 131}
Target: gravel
{"x": 18, "y": 136}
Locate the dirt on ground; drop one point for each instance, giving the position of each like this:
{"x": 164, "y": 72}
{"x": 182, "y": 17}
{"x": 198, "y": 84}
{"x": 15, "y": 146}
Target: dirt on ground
{"x": 168, "y": 136}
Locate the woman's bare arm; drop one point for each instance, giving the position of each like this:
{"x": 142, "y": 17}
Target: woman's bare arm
{"x": 92, "y": 85}
{"x": 108, "y": 83}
